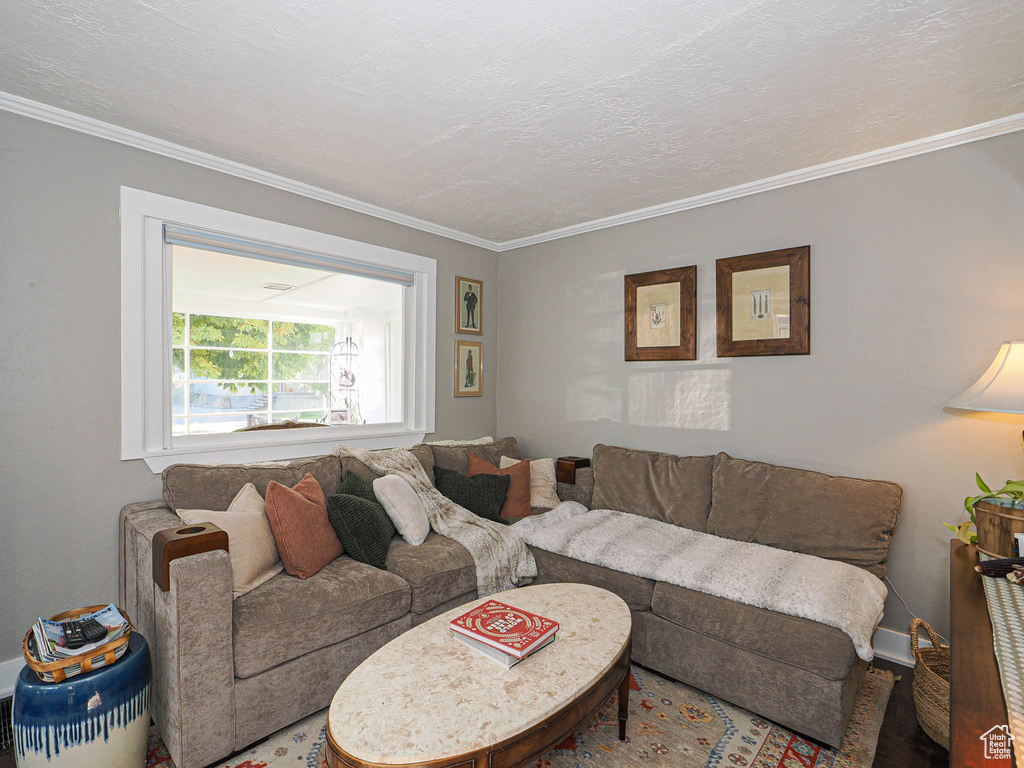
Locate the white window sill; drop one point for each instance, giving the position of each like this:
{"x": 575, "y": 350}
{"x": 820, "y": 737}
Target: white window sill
{"x": 271, "y": 446}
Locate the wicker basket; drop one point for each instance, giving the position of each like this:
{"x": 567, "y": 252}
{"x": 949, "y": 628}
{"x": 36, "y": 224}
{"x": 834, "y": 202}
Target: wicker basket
{"x": 931, "y": 684}
{"x": 57, "y": 671}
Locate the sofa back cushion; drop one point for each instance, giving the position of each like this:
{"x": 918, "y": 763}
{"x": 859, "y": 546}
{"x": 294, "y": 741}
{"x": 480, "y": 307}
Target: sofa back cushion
{"x": 674, "y": 489}
{"x": 840, "y": 518}
{"x": 198, "y": 486}
{"x": 421, "y": 452}
{"x": 456, "y": 457}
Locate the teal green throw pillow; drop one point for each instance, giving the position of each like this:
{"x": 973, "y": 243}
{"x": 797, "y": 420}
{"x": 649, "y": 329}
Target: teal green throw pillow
{"x": 357, "y": 485}
{"x": 363, "y": 526}
{"x": 481, "y": 494}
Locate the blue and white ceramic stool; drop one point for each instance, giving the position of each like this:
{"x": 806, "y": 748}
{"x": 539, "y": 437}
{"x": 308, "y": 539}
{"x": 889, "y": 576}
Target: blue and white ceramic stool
{"x": 99, "y": 719}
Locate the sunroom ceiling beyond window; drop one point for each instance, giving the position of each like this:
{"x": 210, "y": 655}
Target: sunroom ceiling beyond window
{"x": 207, "y": 275}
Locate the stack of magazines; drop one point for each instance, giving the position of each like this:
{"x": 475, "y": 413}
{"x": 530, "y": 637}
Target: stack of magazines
{"x": 50, "y": 644}
{"x": 502, "y": 633}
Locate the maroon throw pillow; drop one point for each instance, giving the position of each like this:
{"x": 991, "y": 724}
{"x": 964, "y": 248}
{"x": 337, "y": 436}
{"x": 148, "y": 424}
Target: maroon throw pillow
{"x": 517, "y": 503}
{"x": 305, "y": 538}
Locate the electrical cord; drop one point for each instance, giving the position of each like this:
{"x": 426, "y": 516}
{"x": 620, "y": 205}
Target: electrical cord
{"x": 907, "y": 607}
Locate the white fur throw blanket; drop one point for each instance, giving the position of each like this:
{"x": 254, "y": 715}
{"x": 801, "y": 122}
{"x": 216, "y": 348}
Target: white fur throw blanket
{"x": 829, "y": 592}
{"x": 501, "y": 558}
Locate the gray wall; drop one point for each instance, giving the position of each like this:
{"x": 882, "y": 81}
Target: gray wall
{"x": 61, "y": 479}
{"x": 917, "y": 275}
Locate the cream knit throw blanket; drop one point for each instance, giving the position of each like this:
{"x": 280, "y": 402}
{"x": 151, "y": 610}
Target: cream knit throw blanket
{"x": 502, "y": 560}
{"x": 833, "y": 593}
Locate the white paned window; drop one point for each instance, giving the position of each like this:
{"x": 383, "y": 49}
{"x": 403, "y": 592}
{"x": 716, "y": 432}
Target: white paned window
{"x": 248, "y": 340}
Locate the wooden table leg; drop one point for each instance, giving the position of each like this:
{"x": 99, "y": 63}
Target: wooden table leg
{"x": 623, "y": 705}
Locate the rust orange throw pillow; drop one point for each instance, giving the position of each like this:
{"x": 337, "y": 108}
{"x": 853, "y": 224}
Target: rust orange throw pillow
{"x": 298, "y": 517}
{"x": 517, "y": 503}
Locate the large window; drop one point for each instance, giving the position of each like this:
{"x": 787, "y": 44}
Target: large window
{"x": 254, "y": 340}
{"x": 233, "y": 373}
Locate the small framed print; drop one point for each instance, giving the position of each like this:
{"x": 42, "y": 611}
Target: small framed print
{"x": 469, "y": 306}
{"x": 764, "y": 303}
{"x": 469, "y": 366}
{"x": 661, "y": 315}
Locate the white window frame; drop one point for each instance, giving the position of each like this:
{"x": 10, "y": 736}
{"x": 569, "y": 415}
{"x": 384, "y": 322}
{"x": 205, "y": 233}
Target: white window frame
{"x": 146, "y": 357}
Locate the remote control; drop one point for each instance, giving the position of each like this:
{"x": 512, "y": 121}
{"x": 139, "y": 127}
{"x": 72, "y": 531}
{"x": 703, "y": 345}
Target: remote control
{"x": 93, "y": 630}
{"x": 74, "y": 637}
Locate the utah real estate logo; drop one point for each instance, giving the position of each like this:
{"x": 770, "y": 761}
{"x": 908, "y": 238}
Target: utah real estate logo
{"x": 997, "y": 742}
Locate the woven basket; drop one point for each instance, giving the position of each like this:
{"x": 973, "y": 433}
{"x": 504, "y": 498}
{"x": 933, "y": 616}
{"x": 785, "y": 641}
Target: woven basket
{"x": 931, "y": 684}
{"x": 57, "y": 671}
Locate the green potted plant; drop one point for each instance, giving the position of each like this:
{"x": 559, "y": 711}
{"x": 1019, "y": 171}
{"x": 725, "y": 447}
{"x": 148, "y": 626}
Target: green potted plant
{"x": 1001, "y": 514}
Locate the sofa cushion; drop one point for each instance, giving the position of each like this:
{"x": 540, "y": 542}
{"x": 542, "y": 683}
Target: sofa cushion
{"x": 802, "y": 643}
{"x": 421, "y": 451}
{"x": 438, "y": 570}
{"x": 304, "y": 536}
{"x": 404, "y": 508}
{"x": 674, "y": 489}
{"x": 554, "y": 569}
{"x": 198, "y": 486}
{"x": 252, "y": 549}
{"x": 363, "y": 527}
{"x": 840, "y": 518}
{"x": 288, "y": 617}
{"x": 355, "y": 484}
{"x": 517, "y": 502}
{"x": 483, "y": 495}
{"x": 543, "y": 486}
{"x": 456, "y": 457}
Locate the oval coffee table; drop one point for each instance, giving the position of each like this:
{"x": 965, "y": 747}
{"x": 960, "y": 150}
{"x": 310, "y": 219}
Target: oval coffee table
{"x": 426, "y": 699}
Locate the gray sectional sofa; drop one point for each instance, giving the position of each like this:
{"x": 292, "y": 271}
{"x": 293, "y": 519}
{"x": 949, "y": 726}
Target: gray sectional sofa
{"x": 228, "y": 673}
{"x": 796, "y": 672}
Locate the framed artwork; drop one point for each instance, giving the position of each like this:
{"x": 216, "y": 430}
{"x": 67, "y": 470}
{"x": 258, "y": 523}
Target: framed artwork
{"x": 764, "y": 303}
{"x": 661, "y": 315}
{"x": 469, "y": 306}
{"x": 469, "y": 366}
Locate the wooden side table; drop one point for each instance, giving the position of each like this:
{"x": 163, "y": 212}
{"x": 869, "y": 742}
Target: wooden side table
{"x": 976, "y": 696}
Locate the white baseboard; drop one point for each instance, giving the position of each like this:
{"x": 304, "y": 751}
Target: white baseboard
{"x": 895, "y": 646}
{"x": 9, "y": 671}
{"x": 889, "y": 644}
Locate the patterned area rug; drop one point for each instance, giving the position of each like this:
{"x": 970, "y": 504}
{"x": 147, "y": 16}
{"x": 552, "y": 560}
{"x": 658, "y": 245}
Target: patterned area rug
{"x": 670, "y": 726}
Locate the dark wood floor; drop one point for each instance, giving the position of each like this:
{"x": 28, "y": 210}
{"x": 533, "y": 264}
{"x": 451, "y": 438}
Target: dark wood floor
{"x": 902, "y": 743}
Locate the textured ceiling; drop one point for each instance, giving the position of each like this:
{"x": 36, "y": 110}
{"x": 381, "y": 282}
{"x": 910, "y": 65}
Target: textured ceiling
{"x": 505, "y": 120}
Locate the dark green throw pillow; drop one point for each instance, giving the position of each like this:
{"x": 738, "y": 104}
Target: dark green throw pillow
{"x": 363, "y": 526}
{"x": 357, "y": 485}
{"x": 481, "y": 494}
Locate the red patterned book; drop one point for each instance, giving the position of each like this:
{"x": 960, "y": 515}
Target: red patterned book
{"x": 511, "y": 630}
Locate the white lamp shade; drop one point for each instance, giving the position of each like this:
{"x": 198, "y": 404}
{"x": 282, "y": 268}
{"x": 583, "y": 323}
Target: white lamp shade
{"x": 1001, "y": 388}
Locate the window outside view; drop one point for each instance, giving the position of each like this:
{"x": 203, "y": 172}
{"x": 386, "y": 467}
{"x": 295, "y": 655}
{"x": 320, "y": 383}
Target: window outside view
{"x": 257, "y": 342}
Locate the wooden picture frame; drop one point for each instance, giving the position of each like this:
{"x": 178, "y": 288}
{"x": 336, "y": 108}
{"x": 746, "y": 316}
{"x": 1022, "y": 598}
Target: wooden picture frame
{"x": 469, "y": 368}
{"x": 764, "y": 303}
{"x": 469, "y": 306}
{"x": 661, "y": 315}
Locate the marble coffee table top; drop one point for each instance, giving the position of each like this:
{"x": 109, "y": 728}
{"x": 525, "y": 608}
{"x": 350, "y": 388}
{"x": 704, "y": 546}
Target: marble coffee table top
{"x": 426, "y": 696}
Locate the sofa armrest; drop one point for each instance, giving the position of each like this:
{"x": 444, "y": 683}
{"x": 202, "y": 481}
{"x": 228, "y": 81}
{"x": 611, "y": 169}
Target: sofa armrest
{"x": 189, "y": 632}
{"x": 582, "y": 490}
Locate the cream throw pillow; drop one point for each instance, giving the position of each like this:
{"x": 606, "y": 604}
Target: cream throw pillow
{"x": 543, "y": 487}
{"x": 403, "y": 507}
{"x": 251, "y": 547}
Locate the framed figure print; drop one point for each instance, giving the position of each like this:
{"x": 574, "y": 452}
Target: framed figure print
{"x": 469, "y": 366}
{"x": 469, "y": 306}
{"x": 764, "y": 303}
{"x": 661, "y": 315}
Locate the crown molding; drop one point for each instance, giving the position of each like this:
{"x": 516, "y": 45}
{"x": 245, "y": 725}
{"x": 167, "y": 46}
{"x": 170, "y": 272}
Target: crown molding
{"x": 44, "y": 112}
{"x": 877, "y": 157}
{"x": 56, "y": 116}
